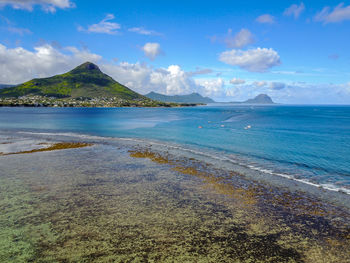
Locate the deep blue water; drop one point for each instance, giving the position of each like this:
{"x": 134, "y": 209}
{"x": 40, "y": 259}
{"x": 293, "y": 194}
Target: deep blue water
{"x": 311, "y": 143}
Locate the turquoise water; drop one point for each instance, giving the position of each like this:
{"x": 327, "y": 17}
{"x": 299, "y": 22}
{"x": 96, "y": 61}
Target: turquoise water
{"x": 306, "y": 143}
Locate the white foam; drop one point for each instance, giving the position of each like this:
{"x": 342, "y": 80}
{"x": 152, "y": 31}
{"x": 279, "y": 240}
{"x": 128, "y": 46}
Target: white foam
{"x": 330, "y": 187}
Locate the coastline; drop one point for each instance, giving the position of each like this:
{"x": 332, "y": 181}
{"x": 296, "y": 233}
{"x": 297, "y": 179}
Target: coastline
{"x": 277, "y": 216}
{"x": 215, "y": 159}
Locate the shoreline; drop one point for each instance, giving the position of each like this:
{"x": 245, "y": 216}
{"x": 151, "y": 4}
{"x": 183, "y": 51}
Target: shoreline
{"x": 247, "y": 219}
{"x": 213, "y": 158}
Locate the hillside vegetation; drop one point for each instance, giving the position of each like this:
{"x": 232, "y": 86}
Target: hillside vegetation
{"x": 85, "y": 81}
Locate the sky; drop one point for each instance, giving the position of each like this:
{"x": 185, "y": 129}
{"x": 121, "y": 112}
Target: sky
{"x": 297, "y": 52}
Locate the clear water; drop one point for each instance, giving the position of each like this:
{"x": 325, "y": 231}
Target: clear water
{"x": 307, "y": 143}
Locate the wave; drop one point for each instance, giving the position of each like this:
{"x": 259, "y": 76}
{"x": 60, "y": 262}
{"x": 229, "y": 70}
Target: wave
{"x": 223, "y": 158}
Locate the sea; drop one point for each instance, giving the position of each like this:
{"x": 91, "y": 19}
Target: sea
{"x": 308, "y": 144}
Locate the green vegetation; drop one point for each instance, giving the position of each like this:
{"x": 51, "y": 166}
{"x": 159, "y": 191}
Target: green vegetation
{"x": 86, "y": 80}
{"x": 84, "y": 86}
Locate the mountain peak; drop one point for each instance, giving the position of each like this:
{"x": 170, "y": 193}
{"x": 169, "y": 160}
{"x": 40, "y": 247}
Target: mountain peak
{"x": 260, "y": 99}
{"x": 86, "y": 80}
{"x": 86, "y": 67}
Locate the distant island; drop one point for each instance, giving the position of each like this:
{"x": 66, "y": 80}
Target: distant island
{"x": 3, "y": 86}
{"x": 260, "y": 99}
{"x": 190, "y": 98}
{"x": 84, "y": 86}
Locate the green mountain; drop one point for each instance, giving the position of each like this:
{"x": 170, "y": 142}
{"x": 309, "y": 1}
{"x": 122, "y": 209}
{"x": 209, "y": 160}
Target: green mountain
{"x": 190, "y": 98}
{"x": 86, "y": 81}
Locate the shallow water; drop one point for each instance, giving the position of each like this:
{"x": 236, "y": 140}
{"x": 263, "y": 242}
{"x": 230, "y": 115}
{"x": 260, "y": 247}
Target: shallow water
{"x": 121, "y": 202}
{"x": 307, "y": 143}
{"x": 155, "y": 187}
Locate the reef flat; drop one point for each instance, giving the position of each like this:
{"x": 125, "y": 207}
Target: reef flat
{"x": 126, "y": 202}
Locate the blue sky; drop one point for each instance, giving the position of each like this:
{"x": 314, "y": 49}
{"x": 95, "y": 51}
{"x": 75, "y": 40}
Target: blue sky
{"x": 297, "y": 52}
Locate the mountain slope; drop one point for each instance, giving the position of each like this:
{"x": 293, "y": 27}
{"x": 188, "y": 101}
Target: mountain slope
{"x": 260, "y": 99}
{"x": 86, "y": 80}
{"x": 190, "y": 98}
{"x": 3, "y": 86}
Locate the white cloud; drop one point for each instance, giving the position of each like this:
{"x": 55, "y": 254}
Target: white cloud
{"x": 211, "y": 87}
{"x": 338, "y": 14}
{"x": 265, "y": 19}
{"x": 103, "y": 27}
{"x": 295, "y": 10}
{"x": 173, "y": 80}
{"x": 241, "y": 39}
{"x": 237, "y": 81}
{"x": 47, "y": 5}
{"x": 254, "y": 60}
{"x": 152, "y": 50}
{"x": 143, "y": 31}
{"x": 144, "y": 79}
{"x": 18, "y": 64}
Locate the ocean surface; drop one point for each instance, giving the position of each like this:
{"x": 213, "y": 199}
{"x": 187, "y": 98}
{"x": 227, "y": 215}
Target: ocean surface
{"x": 309, "y": 144}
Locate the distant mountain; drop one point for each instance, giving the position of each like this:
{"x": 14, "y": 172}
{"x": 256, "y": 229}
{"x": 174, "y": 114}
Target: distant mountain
{"x": 190, "y": 98}
{"x": 86, "y": 80}
{"x": 3, "y": 86}
{"x": 260, "y": 99}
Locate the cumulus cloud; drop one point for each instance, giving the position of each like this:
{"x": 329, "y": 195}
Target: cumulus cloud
{"x": 143, "y": 31}
{"x": 152, "y": 50}
{"x": 18, "y": 64}
{"x": 265, "y": 19}
{"x": 211, "y": 87}
{"x": 295, "y": 10}
{"x": 47, "y": 5}
{"x": 241, "y": 39}
{"x": 338, "y": 14}
{"x": 237, "y": 81}
{"x": 170, "y": 81}
{"x": 253, "y": 60}
{"x": 103, "y": 27}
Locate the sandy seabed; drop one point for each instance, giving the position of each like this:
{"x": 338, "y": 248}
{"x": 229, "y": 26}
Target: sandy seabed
{"x": 89, "y": 201}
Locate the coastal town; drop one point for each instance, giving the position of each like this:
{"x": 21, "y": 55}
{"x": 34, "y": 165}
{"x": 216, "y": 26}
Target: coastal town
{"x": 45, "y": 101}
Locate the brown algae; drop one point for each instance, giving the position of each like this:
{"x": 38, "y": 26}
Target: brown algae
{"x": 54, "y": 147}
{"x": 297, "y": 221}
{"x": 107, "y": 205}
